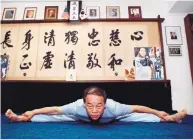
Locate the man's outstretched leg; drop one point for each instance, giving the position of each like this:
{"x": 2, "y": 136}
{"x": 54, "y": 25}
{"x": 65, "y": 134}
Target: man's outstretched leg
{"x": 147, "y": 117}
{"x": 38, "y": 118}
{"x": 16, "y": 118}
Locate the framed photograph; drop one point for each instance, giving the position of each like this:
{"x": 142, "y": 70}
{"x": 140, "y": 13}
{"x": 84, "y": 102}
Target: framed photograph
{"x": 51, "y": 12}
{"x": 175, "y": 51}
{"x": 113, "y": 11}
{"x": 9, "y": 14}
{"x": 134, "y": 12}
{"x": 4, "y": 66}
{"x": 29, "y": 13}
{"x": 93, "y": 12}
{"x": 173, "y": 35}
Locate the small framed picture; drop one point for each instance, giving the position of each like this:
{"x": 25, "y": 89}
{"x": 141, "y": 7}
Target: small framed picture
{"x": 113, "y": 11}
{"x": 9, "y": 14}
{"x": 175, "y": 51}
{"x": 173, "y": 35}
{"x": 93, "y": 12}
{"x": 4, "y": 66}
{"x": 134, "y": 12}
{"x": 51, "y": 12}
{"x": 29, "y": 13}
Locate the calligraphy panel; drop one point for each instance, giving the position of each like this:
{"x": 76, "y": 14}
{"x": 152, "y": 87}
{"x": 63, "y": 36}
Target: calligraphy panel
{"x": 9, "y": 37}
{"x": 114, "y": 50}
{"x": 49, "y": 44}
{"x": 92, "y": 51}
{"x": 25, "y": 67}
{"x": 73, "y": 48}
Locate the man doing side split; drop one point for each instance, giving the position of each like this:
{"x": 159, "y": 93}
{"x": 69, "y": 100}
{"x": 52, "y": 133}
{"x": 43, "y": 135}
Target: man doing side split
{"x": 96, "y": 108}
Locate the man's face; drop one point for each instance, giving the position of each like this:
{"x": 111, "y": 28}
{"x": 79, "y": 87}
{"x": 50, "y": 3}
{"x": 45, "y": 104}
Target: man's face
{"x": 95, "y": 106}
{"x": 51, "y": 12}
{"x": 113, "y": 12}
{"x": 30, "y": 13}
{"x": 142, "y": 52}
{"x": 135, "y": 11}
{"x": 92, "y": 11}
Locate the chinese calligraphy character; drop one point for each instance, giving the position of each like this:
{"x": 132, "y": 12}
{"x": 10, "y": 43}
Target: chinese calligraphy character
{"x": 92, "y": 36}
{"x": 137, "y": 35}
{"x": 115, "y": 41}
{"x": 74, "y": 3}
{"x": 28, "y": 38}
{"x": 50, "y": 38}
{"x": 74, "y": 13}
{"x": 91, "y": 64}
{"x": 7, "y": 40}
{"x": 114, "y": 62}
{"x": 74, "y": 17}
{"x": 71, "y": 61}
{"x": 24, "y": 66}
{"x": 71, "y": 36}
{"x": 47, "y": 60}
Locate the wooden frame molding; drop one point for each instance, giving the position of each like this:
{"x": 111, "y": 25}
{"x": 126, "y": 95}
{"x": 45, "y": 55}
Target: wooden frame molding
{"x": 189, "y": 35}
{"x": 158, "y": 19}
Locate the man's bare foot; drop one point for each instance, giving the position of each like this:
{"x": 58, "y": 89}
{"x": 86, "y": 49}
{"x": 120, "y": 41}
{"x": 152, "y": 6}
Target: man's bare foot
{"x": 14, "y": 117}
{"x": 11, "y": 115}
{"x": 177, "y": 117}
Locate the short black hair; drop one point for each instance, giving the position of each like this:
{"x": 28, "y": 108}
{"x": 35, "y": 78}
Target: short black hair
{"x": 95, "y": 91}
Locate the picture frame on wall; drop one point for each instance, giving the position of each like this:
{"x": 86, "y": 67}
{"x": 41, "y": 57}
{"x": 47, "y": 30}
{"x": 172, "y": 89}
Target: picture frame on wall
{"x": 29, "y": 13}
{"x": 4, "y": 66}
{"x": 51, "y": 12}
{"x": 113, "y": 12}
{"x": 134, "y": 12}
{"x": 93, "y": 12}
{"x": 9, "y": 14}
{"x": 175, "y": 51}
{"x": 173, "y": 35}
